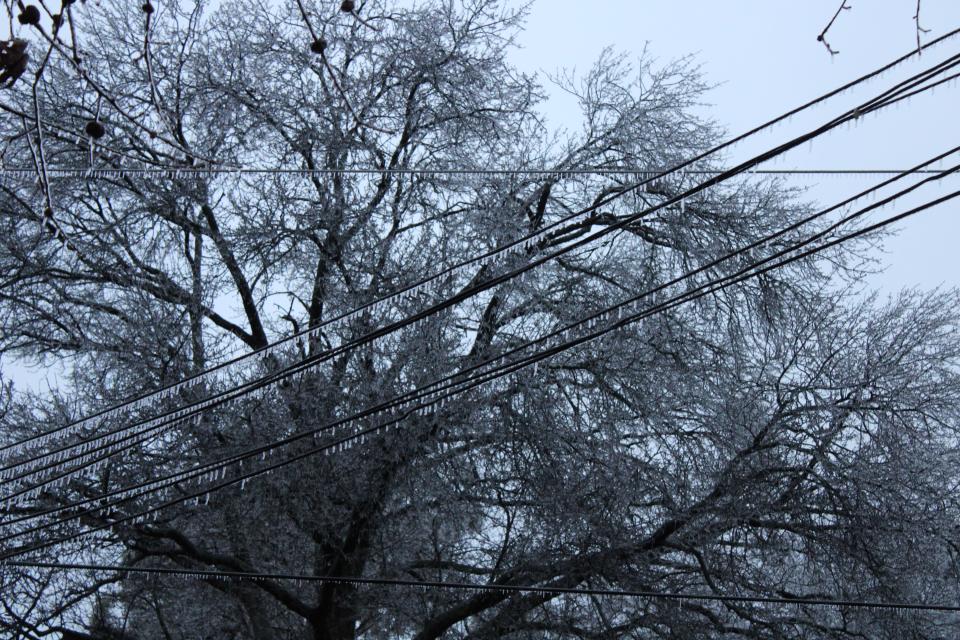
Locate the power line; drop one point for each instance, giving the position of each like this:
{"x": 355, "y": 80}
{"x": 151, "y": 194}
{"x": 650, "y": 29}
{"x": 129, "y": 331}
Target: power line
{"x": 876, "y": 103}
{"x": 86, "y": 448}
{"x": 299, "y": 367}
{"x": 522, "y": 243}
{"x": 139, "y": 436}
{"x": 639, "y": 174}
{"x": 559, "y": 591}
{"x": 548, "y": 589}
{"x": 431, "y": 398}
{"x": 65, "y": 133}
{"x": 911, "y": 188}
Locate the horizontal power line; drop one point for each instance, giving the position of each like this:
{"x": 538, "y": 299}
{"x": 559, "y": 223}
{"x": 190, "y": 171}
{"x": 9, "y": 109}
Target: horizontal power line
{"x": 170, "y": 172}
{"x": 495, "y": 587}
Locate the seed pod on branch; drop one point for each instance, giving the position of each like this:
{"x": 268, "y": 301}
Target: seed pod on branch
{"x": 13, "y": 60}
{"x": 29, "y": 15}
{"x": 94, "y": 129}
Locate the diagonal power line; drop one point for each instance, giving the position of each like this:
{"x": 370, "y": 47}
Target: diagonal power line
{"x": 430, "y": 399}
{"x": 298, "y": 368}
{"x": 171, "y": 390}
{"x": 174, "y": 416}
{"x": 107, "y": 449}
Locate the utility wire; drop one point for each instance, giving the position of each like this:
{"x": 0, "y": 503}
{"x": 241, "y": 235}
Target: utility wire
{"x": 172, "y": 389}
{"x": 938, "y": 175}
{"x": 874, "y": 104}
{"x": 434, "y": 399}
{"x": 301, "y": 366}
{"x": 201, "y": 574}
{"x": 59, "y": 457}
{"x": 74, "y": 470}
{"x": 445, "y": 383}
{"x": 640, "y": 174}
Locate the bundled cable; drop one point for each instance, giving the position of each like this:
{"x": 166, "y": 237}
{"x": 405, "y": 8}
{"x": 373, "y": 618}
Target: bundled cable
{"x": 97, "y": 451}
{"x": 430, "y": 397}
{"x": 122, "y": 439}
{"x": 519, "y": 246}
{"x": 97, "y": 455}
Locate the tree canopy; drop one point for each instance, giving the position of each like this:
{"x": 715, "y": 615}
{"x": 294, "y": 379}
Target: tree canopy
{"x": 268, "y": 169}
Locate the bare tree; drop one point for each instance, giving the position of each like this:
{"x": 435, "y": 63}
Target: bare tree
{"x": 768, "y": 439}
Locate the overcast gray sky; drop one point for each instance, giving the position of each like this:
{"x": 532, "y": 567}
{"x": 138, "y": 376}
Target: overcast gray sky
{"x": 765, "y": 59}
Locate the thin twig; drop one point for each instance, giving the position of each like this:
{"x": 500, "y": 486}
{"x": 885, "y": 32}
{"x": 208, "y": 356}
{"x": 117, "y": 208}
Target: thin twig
{"x": 105, "y": 95}
{"x": 916, "y": 21}
{"x": 823, "y": 34}
{"x": 306, "y": 19}
{"x": 40, "y": 160}
{"x": 47, "y": 217}
{"x": 73, "y": 33}
{"x": 38, "y": 154}
{"x": 332, "y": 74}
{"x": 154, "y": 93}
{"x": 362, "y": 21}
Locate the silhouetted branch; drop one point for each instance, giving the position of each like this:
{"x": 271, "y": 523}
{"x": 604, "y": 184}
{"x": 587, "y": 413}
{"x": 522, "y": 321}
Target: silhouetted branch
{"x": 349, "y": 7}
{"x": 916, "y": 21}
{"x": 318, "y": 46}
{"x": 823, "y": 34}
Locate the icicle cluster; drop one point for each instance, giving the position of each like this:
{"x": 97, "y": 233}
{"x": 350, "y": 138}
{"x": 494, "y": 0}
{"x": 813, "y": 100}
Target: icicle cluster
{"x": 182, "y": 173}
{"x": 421, "y": 404}
{"x": 96, "y": 420}
{"x": 217, "y": 472}
{"x": 381, "y": 307}
{"x": 523, "y": 245}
